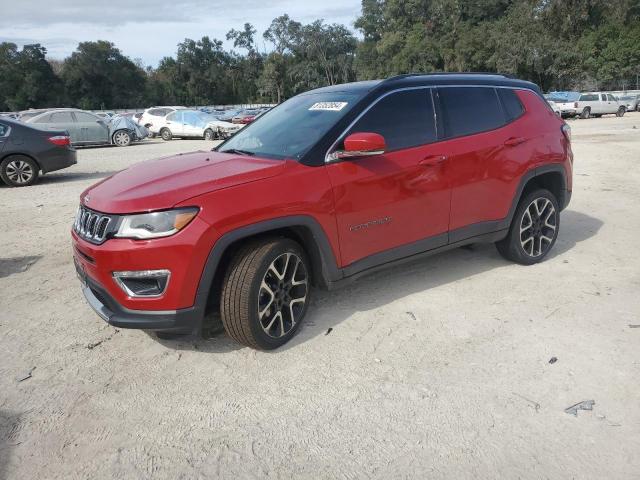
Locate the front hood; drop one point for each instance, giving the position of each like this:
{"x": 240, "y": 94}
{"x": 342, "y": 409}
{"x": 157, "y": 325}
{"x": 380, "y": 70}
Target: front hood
{"x": 165, "y": 182}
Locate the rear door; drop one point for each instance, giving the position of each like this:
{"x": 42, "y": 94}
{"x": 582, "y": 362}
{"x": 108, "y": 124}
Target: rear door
{"x": 93, "y": 128}
{"x": 63, "y": 120}
{"x": 173, "y": 122}
{"x": 397, "y": 199}
{"x": 485, "y": 158}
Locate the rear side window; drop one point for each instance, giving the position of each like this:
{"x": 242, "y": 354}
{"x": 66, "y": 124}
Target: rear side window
{"x": 469, "y": 110}
{"x": 3, "y": 130}
{"x": 43, "y": 119}
{"x": 405, "y": 119}
{"x": 61, "y": 117}
{"x": 511, "y": 103}
{"x": 157, "y": 112}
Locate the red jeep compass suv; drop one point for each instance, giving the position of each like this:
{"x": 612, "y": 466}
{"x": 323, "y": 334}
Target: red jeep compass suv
{"x": 330, "y": 185}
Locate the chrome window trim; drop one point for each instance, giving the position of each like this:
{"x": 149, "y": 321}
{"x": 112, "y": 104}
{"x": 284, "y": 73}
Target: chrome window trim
{"x": 329, "y": 159}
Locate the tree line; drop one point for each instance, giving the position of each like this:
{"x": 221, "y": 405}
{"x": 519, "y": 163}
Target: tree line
{"x": 558, "y": 44}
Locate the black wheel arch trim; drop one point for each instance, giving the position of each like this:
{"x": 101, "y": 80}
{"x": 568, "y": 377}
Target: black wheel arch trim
{"x": 324, "y": 264}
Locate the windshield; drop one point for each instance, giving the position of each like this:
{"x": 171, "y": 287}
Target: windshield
{"x": 291, "y": 129}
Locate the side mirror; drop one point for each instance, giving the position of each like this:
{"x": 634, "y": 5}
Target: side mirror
{"x": 362, "y": 144}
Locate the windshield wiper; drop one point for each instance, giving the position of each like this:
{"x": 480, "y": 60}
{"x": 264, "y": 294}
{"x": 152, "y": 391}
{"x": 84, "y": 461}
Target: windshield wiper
{"x": 240, "y": 152}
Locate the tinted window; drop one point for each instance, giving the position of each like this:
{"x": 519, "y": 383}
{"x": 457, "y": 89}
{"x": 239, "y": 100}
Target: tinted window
{"x": 404, "y": 119}
{"x": 157, "y": 112}
{"x": 172, "y": 117}
{"x": 510, "y": 102}
{"x": 3, "y": 130}
{"x": 293, "y": 127}
{"x": 85, "y": 117}
{"x": 61, "y": 117}
{"x": 468, "y": 110}
{"x": 589, "y": 98}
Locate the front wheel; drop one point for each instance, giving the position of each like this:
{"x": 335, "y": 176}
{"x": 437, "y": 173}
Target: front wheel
{"x": 265, "y": 293}
{"x": 19, "y": 171}
{"x": 208, "y": 134}
{"x": 586, "y": 113}
{"x": 122, "y": 138}
{"x": 621, "y": 111}
{"x": 533, "y": 230}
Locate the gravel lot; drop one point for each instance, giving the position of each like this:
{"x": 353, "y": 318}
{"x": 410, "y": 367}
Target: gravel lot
{"x": 439, "y": 369}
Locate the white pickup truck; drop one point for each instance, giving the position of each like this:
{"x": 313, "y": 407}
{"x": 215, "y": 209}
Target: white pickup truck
{"x": 596, "y": 104}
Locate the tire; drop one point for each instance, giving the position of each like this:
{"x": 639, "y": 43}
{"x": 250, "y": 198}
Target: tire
{"x": 531, "y": 245}
{"x": 19, "y": 171}
{"x": 621, "y": 111}
{"x": 121, "y": 138}
{"x": 586, "y": 113}
{"x": 265, "y": 293}
{"x": 209, "y": 134}
{"x": 166, "y": 134}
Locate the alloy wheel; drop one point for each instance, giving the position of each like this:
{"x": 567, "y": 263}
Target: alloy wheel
{"x": 538, "y": 227}
{"x": 19, "y": 172}
{"x": 122, "y": 139}
{"x": 282, "y": 295}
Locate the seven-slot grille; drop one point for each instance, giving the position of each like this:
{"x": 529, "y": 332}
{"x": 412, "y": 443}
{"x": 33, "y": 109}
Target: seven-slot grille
{"x": 92, "y": 226}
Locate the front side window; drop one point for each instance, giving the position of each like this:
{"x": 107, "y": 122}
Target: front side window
{"x": 405, "y": 119}
{"x": 469, "y": 110}
{"x": 61, "y": 117}
{"x": 291, "y": 129}
{"x": 611, "y": 98}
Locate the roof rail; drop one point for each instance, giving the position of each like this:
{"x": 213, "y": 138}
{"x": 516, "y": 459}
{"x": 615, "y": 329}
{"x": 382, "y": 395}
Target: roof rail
{"x": 417, "y": 74}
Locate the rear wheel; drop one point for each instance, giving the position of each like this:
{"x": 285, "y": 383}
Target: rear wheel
{"x": 122, "y": 138}
{"x": 534, "y": 228}
{"x": 19, "y": 171}
{"x": 166, "y": 134}
{"x": 586, "y": 113}
{"x": 265, "y": 293}
{"x": 621, "y": 111}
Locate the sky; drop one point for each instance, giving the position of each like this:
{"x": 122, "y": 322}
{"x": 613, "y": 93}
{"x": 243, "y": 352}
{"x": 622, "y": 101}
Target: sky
{"x": 151, "y": 30}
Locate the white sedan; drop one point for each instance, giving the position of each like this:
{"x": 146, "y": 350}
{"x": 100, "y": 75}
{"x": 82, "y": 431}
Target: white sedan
{"x": 194, "y": 124}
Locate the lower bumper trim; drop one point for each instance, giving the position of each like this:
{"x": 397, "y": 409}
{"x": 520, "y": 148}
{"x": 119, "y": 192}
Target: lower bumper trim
{"x": 186, "y": 320}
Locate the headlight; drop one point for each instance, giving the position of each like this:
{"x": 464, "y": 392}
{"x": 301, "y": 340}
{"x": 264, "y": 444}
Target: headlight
{"x": 156, "y": 224}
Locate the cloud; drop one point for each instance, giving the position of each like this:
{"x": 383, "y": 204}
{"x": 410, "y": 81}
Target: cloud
{"x": 151, "y": 30}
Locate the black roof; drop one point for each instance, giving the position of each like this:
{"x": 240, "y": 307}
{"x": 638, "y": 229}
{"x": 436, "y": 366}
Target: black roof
{"x": 426, "y": 79}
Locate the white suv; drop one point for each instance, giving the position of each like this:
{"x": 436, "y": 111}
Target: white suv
{"x": 153, "y": 117}
{"x": 596, "y": 104}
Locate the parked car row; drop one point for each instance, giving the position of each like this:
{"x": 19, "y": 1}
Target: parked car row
{"x": 593, "y": 104}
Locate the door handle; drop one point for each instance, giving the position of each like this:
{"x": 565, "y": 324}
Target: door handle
{"x": 432, "y": 160}
{"x": 513, "y": 141}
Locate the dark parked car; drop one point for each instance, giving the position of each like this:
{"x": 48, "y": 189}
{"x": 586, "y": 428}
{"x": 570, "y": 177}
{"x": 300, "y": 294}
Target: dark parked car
{"x": 25, "y": 151}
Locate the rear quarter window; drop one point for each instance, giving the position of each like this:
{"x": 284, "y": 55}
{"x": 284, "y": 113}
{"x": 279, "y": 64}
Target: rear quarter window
{"x": 4, "y": 129}
{"x": 469, "y": 110}
{"x": 511, "y": 103}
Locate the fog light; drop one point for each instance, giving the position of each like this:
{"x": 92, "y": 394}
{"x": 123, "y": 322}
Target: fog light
{"x": 143, "y": 283}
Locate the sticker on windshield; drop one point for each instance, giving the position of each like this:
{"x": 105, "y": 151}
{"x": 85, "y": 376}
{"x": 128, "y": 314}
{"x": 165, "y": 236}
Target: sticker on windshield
{"x": 329, "y": 106}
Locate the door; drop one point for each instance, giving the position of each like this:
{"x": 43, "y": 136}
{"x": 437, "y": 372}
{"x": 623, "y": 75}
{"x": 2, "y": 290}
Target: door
{"x": 4, "y": 135}
{"x": 612, "y": 104}
{"x": 93, "y": 128}
{"x": 63, "y": 120}
{"x": 400, "y": 199}
{"x": 173, "y": 122}
{"x": 192, "y": 125}
{"x": 485, "y": 156}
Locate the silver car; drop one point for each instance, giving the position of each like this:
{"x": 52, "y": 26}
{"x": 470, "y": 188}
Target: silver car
{"x": 631, "y": 102}
{"x": 85, "y": 128}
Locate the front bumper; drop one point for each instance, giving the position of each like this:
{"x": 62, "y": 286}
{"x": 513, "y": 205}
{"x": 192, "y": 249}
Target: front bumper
{"x": 185, "y": 320}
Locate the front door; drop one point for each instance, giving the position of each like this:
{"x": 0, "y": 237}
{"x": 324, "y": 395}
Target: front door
{"x": 398, "y": 200}
{"x": 94, "y": 129}
{"x": 192, "y": 125}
